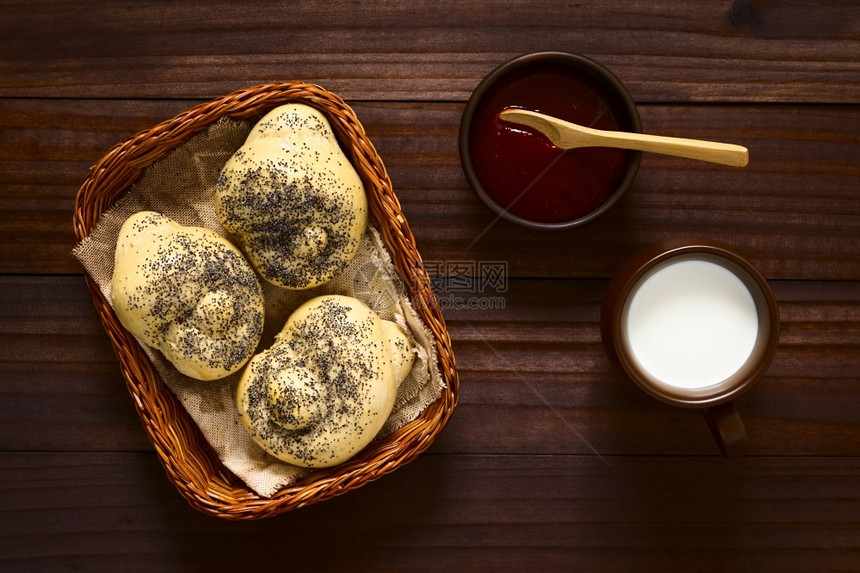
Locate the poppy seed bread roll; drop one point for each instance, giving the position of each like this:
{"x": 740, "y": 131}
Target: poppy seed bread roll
{"x": 187, "y": 292}
{"x": 327, "y": 385}
{"x": 293, "y": 199}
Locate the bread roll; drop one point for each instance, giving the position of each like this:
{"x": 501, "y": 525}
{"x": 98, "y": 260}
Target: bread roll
{"x": 293, "y": 199}
{"x": 327, "y": 385}
{"x": 187, "y": 292}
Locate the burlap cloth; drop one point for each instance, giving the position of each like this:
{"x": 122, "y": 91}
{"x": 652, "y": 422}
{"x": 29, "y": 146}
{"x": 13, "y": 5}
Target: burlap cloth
{"x": 181, "y": 186}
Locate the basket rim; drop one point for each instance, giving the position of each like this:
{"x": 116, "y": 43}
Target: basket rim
{"x": 188, "y": 459}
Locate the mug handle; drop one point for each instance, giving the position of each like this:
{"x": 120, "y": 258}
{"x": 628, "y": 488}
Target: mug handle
{"x": 728, "y": 429}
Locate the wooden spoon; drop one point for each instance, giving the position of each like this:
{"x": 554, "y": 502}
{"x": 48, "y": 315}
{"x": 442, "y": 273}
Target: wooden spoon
{"x": 568, "y": 135}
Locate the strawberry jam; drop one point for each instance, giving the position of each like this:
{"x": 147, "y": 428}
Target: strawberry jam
{"x": 519, "y": 167}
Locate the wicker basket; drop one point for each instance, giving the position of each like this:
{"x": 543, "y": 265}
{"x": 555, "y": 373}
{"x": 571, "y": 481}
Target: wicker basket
{"x": 188, "y": 459}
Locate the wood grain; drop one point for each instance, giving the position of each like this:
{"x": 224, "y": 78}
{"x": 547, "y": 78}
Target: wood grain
{"x": 534, "y": 375}
{"x": 794, "y": 210}
{"x": 797, "y": 51}
{"x": 552, "y": 461}
{"x": 109, "y": 512}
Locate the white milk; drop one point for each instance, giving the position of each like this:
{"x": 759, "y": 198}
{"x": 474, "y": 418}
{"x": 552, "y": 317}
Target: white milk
{"x": 692, "y": 324}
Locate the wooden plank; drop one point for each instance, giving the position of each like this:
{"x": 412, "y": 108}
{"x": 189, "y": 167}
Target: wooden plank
{"x": 794, "y": 210}
{"x": 109, "y": 512}
{"x": 49, "y": 147}
{"x": 795, "y": 51}
{"x": 534, "y": 376}
{"x": 61, "y": 387}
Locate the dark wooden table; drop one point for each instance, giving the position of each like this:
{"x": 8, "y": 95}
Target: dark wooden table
{"x": 552, "y": 462}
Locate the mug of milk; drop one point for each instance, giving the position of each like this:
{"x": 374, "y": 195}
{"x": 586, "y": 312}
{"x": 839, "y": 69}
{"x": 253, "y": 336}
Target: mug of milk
{"x": 694, "y": 324}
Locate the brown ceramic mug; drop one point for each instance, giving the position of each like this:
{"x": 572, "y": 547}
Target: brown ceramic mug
{"x": 693, "y": 324}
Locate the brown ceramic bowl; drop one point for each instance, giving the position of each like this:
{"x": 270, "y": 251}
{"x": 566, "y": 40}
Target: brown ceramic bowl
{"x": 617, "y": 111}
{"x": 646, "y": 262}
